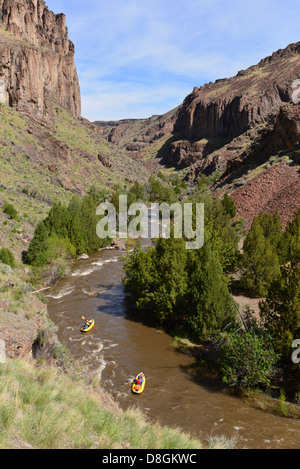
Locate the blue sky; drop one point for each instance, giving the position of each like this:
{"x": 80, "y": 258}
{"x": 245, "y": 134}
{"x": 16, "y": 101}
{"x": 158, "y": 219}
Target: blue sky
{"x": 136, "y": 58}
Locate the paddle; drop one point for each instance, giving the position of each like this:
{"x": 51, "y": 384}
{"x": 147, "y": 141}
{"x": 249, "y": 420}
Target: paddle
{"x": 87, "y": 320}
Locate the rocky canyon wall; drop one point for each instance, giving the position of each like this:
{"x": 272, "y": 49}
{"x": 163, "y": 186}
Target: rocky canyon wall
{"x": 229, "y": 107}
{"x": 36, "y": 59}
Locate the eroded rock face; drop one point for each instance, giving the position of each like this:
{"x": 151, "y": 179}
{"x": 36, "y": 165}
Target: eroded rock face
{"x": 229, "y": 107}
{"x": 36, "y": 58}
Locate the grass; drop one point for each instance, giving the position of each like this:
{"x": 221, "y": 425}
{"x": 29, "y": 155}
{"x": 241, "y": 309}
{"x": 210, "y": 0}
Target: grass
{"x": 71, "y": 132}
{"x": 41, "y": 408}
{"x": 277, "y": 406}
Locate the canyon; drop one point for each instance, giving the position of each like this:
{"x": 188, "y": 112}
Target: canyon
{"x": 242, "y": 133}
{"x": 230, "y": 128}
{"x": 236, "y": 129}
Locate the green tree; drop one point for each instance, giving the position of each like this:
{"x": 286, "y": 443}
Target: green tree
{"x": 280, "y": 312}
{"x": 138, "y": 280}
{"x": 272, "y": 227}
{"x": 58, "y": 220}
{"x": 59, "y": 248}
{"x": 248, "y": 360}
{"x": 37, "y": 251}
{"x": 156, "y": 280}
{"x": 229, "y": 205}
{"x": 137, "y": 193}
{"x": 98, "y": 195}
{"x": 260, "y": 262}
{"x": 75, "y": 227}
{"x": 210, "y": 306}
{"x": 76, "y": 233}
{"x": 170, "y": 278}
{"x": 7, "y": 257}
{"x": 89, "y": 219}
{"x": 160, "y": 192}
{"x": 221, "y": 232}
{"x": 291, "y": 236}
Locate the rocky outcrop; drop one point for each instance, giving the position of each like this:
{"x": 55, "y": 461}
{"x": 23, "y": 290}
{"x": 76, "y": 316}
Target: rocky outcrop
{"x": 105, "y": 160}
{"x": 229, "y": 107}
{"x": 287, "y": 127}
{"x": 36, "y": 59}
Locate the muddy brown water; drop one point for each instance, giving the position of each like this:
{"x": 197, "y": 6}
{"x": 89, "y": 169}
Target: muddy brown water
{"x": 120, "y": 348}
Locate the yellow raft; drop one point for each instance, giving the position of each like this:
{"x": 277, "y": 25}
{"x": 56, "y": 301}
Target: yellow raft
{"x": 88, "y": 326}
{"x": 139, "y": 388}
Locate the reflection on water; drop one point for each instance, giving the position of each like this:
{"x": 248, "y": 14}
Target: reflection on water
{"x": 120, "y": 348}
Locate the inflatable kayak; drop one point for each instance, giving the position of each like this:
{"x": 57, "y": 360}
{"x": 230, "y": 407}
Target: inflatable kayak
{"x": 139, "y": 383}
{"x": 88, "y": 326}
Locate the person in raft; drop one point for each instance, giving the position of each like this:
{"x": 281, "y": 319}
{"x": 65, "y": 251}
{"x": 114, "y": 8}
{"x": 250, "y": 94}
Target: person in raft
{"x": 87, "y": 324}
{"x": 139, "y": 381}
{"x": 137, "y": 384}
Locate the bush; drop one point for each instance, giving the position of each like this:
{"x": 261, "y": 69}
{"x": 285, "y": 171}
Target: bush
{"x": 60, "y": 248}
{"x": 7, "y": 257}
{"x": 247, "y": 360}
{"x": 229, "y": 205}
{"x": 10, "y": 210}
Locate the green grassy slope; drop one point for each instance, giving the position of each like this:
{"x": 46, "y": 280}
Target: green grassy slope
{"x": 42, "y": 409}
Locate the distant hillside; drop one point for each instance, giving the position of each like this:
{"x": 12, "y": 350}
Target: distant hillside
{"x": 142, "y": 140}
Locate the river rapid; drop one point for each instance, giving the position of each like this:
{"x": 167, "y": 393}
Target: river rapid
{"x": 119, "y": 348}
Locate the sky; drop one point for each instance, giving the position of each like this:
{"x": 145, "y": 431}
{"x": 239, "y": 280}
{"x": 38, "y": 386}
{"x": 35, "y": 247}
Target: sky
{"x": 137, "y": 58}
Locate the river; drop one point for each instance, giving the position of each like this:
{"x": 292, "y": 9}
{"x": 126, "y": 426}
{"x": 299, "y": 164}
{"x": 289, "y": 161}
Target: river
{"x": 119, "y": 348}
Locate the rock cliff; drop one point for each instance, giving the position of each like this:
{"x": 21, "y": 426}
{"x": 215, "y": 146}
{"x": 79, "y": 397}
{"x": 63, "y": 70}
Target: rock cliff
{"x": 229, "y": 107}
{"x": 216, "y": 121}
{"x": 36, "y": 59}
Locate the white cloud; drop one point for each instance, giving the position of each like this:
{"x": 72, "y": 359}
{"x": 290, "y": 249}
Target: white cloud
{"x": 130, "y": 52}
{"x": 129, "y": 101}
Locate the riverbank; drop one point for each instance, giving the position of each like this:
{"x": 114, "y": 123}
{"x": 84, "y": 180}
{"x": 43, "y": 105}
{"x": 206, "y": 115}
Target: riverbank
{"x": 47, "y": 401}
{"x": 41, "y": 408}
{"x": 207, "y": 359}
{"x": 87, "y": 286}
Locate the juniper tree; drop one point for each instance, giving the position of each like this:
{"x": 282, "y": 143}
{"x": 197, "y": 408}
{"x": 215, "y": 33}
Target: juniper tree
{"x": 209, "y": 303}
{"x": 37, "y": 251}
{"x": 260, "y": 261}
{"x": 280, "y": 312}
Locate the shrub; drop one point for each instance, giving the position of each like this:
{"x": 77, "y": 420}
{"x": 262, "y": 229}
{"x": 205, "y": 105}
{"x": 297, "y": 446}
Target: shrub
{"x": 7, "y": 257}
{"x": 229, "y": 205}
{"x": 60, "y": 248}
{"x": 247, "y": 360}
{"x": 10, "y": 210}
